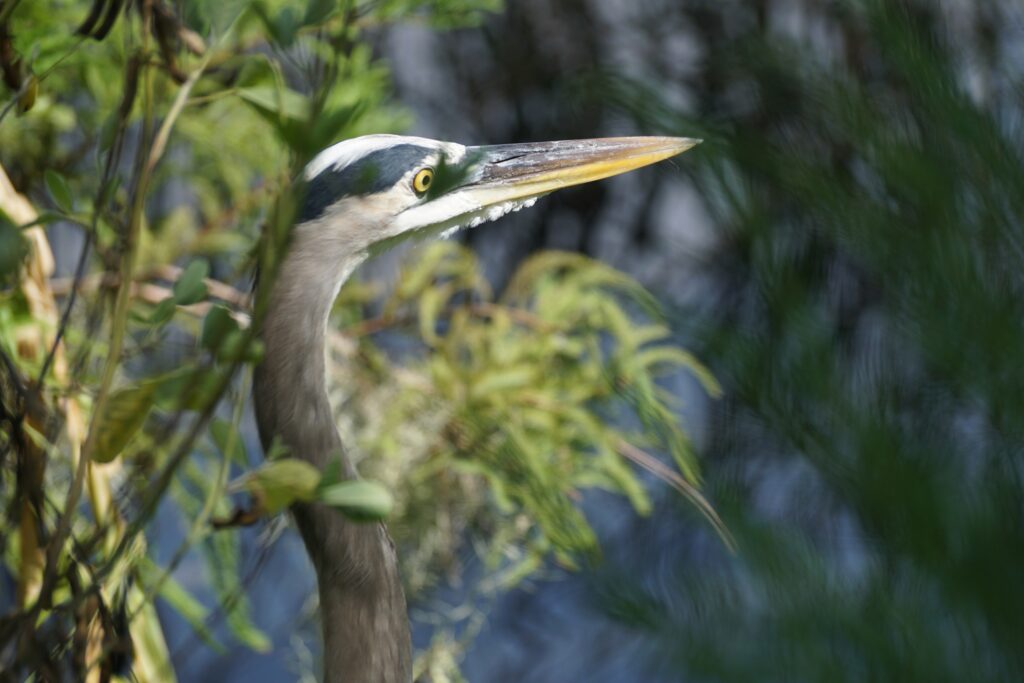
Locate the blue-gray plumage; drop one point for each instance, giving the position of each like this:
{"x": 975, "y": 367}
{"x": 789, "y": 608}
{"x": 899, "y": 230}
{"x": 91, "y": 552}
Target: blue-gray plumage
{"x": 361, "y": 195}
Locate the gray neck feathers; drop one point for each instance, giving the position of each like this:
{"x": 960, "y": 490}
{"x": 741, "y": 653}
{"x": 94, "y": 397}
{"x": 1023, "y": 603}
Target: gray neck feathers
{"x": 291, "y": 381}
{"x": 365, "y": 624}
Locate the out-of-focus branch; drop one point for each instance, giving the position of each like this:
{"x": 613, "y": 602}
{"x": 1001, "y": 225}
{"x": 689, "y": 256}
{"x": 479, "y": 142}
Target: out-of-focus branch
{"x": 153, "y": 293}
{"x": 62, "y": 286}
{"x": 676, "y": 481}
{"x": 32, "y": 341}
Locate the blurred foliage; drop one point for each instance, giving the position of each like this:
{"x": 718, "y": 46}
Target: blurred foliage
{"x": 868, "y": 454}
{"x": 166, "y": 136}
{"x": 515, "y": 408}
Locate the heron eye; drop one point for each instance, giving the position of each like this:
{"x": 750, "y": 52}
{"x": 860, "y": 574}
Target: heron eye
{"x": 421, "y": 183}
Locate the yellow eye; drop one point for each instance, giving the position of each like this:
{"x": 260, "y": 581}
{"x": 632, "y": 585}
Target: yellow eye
{"x": 421, "y": 183}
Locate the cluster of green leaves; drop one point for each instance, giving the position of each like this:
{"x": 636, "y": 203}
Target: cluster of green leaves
{"x": 520, "y": 403}
{"x": 233, "y": 160}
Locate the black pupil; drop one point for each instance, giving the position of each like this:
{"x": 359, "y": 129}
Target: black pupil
{"x": 425, "y": 179}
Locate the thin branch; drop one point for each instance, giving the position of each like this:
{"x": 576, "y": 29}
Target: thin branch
{"x": 160, "y": 142}
{"x": 154, "y": 294}
{"x": 676, "y": 481}
{"x": 63, "y": 324}
{"x": 217, "y": 288}
{"x": 124, "y": 110}
{"x": 62, "y": 286}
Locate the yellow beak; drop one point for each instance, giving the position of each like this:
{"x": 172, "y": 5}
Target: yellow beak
{"x": 519, "y": 171}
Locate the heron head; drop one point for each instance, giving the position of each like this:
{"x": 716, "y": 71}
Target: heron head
{"x": 367, "y": 192}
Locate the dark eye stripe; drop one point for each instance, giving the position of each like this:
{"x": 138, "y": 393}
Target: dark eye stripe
{"x": 375, "y": 172}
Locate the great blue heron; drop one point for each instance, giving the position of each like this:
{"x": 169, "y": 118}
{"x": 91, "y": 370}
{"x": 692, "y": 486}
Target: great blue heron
{"x": 361, "y": 195}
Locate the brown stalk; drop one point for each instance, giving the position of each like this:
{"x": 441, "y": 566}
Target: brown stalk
{"x": 676, "y": 481}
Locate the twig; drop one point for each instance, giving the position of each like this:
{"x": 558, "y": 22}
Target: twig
{"x": 676, "y": 481}
{"x": 217, "y": 288}
{"x": 62, "y": 286}
{"x": 65, "y": 316}
{"x": 154, "y": 294}
{"x": 124, "y": 110}
{"x": 239, "y": 517}
{"x": 160, "y": 142}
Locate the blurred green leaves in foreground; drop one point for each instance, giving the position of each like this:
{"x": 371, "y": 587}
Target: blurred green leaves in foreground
{"x": 166, "y": 137}
{"x": 868, "y": 333}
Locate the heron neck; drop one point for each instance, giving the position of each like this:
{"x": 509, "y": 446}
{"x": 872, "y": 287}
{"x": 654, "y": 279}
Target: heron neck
{"x": 290, "y": 383}
{"x": 363, "y": 609}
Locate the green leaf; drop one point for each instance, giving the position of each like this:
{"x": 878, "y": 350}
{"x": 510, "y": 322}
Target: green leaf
{"x": 59, "y": 191}
{"x": 222, "y": 335}
{"x": 187, "y": 388}
{"x": 13, "y": 250}
{"x": 328, "y": 126}
{"x": 217, "y": 325}
{"x": 503, "y": 380}
{"x": 279, "y": 483}
{"x": 318, "y": 11}
{"x": 190, "y": 288}
{"x": 182, "y": 602}
{"x": 431, "y": 303}
{"x": 331, "y": 475}
{"x": 124, "y": 414}
{"x": 286, "y": 24}
{"x": 360, "y": 500}
{"x": 247, "y": 632}
{"x": 108, "y": 131}
{"x": 219, "y": 16}
{"x": 673, "y": 355}
{"x": 282, "y": 27}
{"x": 276, "y": 104}
{"x": 496, "y": 484}
{"x": 290, "y": 114}
{"x": 162, "y": 312}
{"x": 277, "y": 451}
{"x": 229, "y": 441}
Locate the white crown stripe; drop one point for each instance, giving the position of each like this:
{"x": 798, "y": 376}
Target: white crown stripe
{"x": 350, "y": 151}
